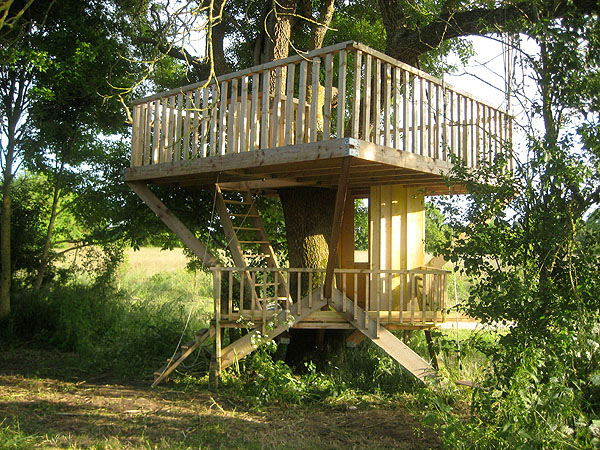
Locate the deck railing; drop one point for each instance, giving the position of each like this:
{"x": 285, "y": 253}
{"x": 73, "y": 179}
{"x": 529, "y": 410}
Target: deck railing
{"x": 413, "y": 297}
{"x": 361, "y": 93}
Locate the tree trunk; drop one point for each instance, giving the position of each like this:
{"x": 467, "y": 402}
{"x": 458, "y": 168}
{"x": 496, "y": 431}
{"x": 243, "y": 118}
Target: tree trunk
{"x": 308, "y": 214}
{"x": 5, "y": 232}
{"x": 45, "y": 252}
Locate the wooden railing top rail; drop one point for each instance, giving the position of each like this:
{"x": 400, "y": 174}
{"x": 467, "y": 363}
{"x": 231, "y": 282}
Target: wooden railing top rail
{"x": 332, "y": 49}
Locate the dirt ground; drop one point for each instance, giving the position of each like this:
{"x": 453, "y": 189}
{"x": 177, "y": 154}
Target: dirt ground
{"x": 44, "y": 406}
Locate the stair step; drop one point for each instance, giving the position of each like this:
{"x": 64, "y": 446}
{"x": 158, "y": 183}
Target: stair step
{"x": 236, "y": 202}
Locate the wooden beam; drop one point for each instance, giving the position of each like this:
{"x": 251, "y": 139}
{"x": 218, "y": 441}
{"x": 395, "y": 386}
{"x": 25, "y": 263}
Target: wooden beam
{"x": 338, "y": 215}
{"x": 173, "y": 223}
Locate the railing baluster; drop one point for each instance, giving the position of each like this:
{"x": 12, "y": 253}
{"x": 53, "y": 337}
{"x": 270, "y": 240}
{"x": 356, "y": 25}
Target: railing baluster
{"x": 387, "y": 108}
{"x": 299, "y": 291}
{"x": 367, "y": 100}
{"x": 378, "y": 303}
{"x": 367, "y": 299}
{"x": 289, "y": 104}
{"x": 135, "y": 134}
{"x": 275, "y": 112}
{"x": 310, "y": 289}
{"x": 230, "y": 296}
{"x": 390, "y": 292}
{"x": 327, "y": 96}
{"x": 158, "y": 145}
{"x": 397, "y": 103}
{"x": 355, "y": 296}
{"x": 314, "y": 97}
{"x": 264, "y": 123}
{"x": 377, "y": 103}
{"x": 356, "y": 95}
{"x": 242, "y": 275}
{"x": 301, "y": 117}
{"x": 177, "y": 124}
{"x": 214, "y": 91}
{"x": 422, "y": 150}
{"x": 243, "y": 121}
{"x": 187, "y": 99}
{"x": 254, "y": 109}
{"x": 344, "y": 292}
{"x": 341, "y": 100}
{"x": 405, "y": 102}
{"x": 430, "y": 128}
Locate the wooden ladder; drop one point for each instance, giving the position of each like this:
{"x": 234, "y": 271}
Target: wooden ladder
{"x": 245, "y": 233}
{"x": 185, "y": 351}
{"x": 370, "y": 327}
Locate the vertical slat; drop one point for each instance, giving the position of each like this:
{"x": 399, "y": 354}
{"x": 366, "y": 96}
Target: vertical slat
{"x": 356, "y": 95}
{"x": 484, "y": 133}
{"x": 264, "y": 123}
{"x": 301, "y": 116}
{"x": 390, "y": 293}
{"x": 196, "y": 125}
{"x": 367, "y": 100}
{"x": 478, "y": 150}
{"x": 405, "y": 100}
{"x": 310, "y": 289}
{"x": 341, "y": 100}
{"x": 230, "y": 297}
{"x": 217, "y": 311}
{"x": 421, "y": 116}
{"x": 444, "y": 294}
{"x": 168, "y": 130}
{"x": 244, "y": 116}
{"x": 387, "y": 108}
{"x": 378, "y": 304}
{"x": 458, "y": 126}
{"x": 223, "y": 117}
{"x": 135, "y": 134}
{"x": 344, "y": 276}
{"x": 438, "y": 122}
{"x": 444, "y": 124}
{"x": 366, "y": 299}
{"x": 243, "y": 277}
{"x": 204, "y": 122}
{"x": 254, "y": 303}
{"x": 148, "y": 137}
{"x": 158, "y": 143}
{"x": 213, "y": 119}
{"x": 327, "y": 97}
{"x": 314, "y": 104}
{"x": 424, "y": 298}
{"x": 289, "y": 104}
{"x": 187, "y": 100}
{"x": 430, "y": 129}
{"x": 178, "y": 124}
{"x": 233, "y": 130}
{"x": 254, "y": 129}
{"x": 377, "y": 103}
{"x": 299, "y": 293}
{"x": 397, "y": 106}
{"x": 402, "y": 287}
{"x": 264, "y": 303}
{"x": 413, "y": 105}
{"x": 356, "y": 275}
{"x": 276, "y": 106}
{"x": 413, "y": 297}
{"x": 465, "y": 130}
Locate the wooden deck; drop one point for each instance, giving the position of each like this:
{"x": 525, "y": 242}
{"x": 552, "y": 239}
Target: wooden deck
{"x": 263, "y": 125}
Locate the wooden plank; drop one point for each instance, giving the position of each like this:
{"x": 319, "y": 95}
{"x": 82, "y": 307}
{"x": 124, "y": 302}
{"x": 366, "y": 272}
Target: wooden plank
{"x": 405, "y": 101}
{"x": 254, "y": 114}
{"x": 233, "y": 128}
{"x": 376, "y": 116}
{"x": 314, "y": 101}
{"x": 356, "y": 95}
{"x": 397, "y": 106}
{"x": 341, "y": 100}
{"x": 173, "y": 223}
{"x": 264, "y": 123}
{"x": 244, "y": 116}
{"x": 188, "y": 110}
{"x": 160, "y": 120}
{"x": 386, "y": 340}
{"x": 196, "y": 152}
{"x": 135, "y": 135}
{"x": 328, "y": 96}
{"x": 148, "y": 137}
{"x": 367, "y": 100}
{"x": 289, "y": 104}
{"x": 422, "y": 150}
{"x": 177, "y": 125}
{"x": 276, "y": 107}
{"x": 387, "y": 108}
{"x": 205, "y": 123}
{"x": 214, "y": 103}
{"x": 223, "y": 117}
{"x": 338, "y": 215}
{"x": 430, "y": 129}
{"x": 301, "y": 117}
{"x": 413, "y": 121}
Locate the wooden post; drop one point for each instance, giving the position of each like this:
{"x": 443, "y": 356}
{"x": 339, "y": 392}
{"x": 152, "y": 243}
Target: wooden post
{"x": 215, "y": 365}
{"x": 338, "y": 215}
{"x": 173, "y": 223}
{"x": 431, "y": 348}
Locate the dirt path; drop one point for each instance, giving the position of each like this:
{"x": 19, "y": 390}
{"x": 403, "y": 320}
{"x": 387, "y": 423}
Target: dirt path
{"x": 47, "y": 412}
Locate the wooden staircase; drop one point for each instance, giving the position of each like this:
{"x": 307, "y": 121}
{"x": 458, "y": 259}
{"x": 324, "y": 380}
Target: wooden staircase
{"x": 185, "y": 351}
{"x": 381, "y": 336}
{"x": 280, "y": 323}
{"x": 245, "y": 233}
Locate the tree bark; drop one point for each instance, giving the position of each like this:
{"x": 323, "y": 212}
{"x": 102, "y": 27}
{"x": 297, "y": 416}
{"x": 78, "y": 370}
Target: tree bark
{"x": 308, "y": 214}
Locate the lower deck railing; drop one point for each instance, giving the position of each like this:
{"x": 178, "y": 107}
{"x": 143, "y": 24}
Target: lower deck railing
{"x": 410, "y": 297}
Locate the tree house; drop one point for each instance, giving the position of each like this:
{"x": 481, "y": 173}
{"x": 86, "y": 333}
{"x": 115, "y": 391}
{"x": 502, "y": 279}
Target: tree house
{"x": 376, "y": 129}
